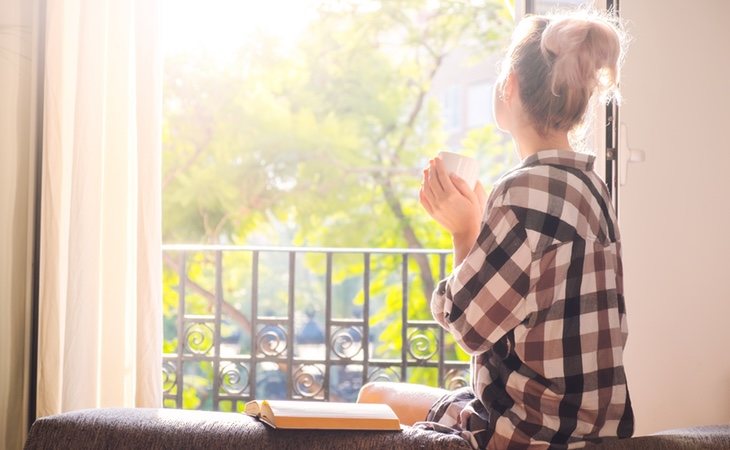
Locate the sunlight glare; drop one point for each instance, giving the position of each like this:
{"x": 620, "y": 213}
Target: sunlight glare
{"x": 219, "y": 27}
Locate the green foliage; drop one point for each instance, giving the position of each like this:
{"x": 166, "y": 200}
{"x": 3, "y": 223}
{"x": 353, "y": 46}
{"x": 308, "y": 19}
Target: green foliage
{"x": 320, "y": 144}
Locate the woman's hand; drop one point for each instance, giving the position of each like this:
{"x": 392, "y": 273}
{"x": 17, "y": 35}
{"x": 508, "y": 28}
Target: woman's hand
{"x": 448, "y": 199}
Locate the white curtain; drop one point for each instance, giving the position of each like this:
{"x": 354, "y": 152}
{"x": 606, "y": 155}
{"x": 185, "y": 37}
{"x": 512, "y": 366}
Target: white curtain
{"x": 100, "y": 337}
{"x": 17, "y": 59}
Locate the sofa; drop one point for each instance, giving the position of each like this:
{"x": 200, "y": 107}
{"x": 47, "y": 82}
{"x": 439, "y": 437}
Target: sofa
{"x": 157, "y": 429}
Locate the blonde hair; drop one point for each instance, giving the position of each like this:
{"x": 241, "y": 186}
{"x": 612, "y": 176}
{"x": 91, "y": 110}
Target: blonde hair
{"x": 561, "y": 62}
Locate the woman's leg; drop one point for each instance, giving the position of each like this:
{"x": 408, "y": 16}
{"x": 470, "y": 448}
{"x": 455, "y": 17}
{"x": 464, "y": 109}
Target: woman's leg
{"x": 410, "y": 402}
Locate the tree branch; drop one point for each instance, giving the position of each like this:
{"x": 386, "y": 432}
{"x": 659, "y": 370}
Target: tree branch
{"x": 392, "y": 199}
{"x": 226, "y": 308}
{"x": 181, "y": 168}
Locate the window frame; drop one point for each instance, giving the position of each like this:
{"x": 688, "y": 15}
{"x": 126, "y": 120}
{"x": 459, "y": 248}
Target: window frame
{"x": 605, "y": 143}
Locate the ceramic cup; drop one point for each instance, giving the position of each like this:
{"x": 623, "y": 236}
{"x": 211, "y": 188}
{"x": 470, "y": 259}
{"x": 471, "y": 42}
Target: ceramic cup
{"x": 464, "y": 167}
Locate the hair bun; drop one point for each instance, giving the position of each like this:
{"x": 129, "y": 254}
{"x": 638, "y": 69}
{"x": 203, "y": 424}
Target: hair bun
{"x": 561, "y": 62}
{"x": 583, "y": 52}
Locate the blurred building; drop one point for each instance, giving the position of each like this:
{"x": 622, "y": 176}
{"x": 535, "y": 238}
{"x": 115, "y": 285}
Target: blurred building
{"x": 463, "y": 86}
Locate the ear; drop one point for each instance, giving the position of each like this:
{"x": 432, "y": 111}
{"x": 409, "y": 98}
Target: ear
{"x": 509, "y": 88}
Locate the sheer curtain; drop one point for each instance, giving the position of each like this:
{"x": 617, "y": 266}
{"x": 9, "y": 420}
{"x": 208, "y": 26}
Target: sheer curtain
{"x": 16, "y": 215}
{"x": 100, "y": 309}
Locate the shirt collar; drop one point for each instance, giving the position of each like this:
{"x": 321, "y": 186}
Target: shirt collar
{"x": 567, "y": 158}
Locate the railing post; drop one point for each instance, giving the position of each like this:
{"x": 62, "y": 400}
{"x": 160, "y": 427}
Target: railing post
{"x": 182, "y": 276}
{"x": 366, "y": 317}
{"x": 441, "y": 343}
{"x": 404, "y": 325}
{"x": 290, "y": 323}
{"x": 217, "y": 326}
{"x": 254, "y": 319}
{"x": 328, "y": 327}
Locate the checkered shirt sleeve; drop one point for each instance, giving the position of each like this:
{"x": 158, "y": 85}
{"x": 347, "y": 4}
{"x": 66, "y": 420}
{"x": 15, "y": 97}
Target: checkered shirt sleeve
{"x": 483, "y": 299}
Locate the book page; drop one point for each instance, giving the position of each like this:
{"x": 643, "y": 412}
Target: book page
{"x": 324, "y": 415}
{"x": 334, "y": 410}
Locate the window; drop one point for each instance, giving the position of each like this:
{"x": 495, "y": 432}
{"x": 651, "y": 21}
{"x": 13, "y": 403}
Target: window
{"x": 452, "y": 107}
{"x": 297, "y": 261}
{"x": 479, "y": 105}
{"x": 547, "y": 6}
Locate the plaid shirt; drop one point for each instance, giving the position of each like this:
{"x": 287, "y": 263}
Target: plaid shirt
{"x": 539, "y": 304}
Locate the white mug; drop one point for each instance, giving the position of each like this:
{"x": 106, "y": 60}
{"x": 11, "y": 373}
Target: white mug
{"x": 464, "y": 167}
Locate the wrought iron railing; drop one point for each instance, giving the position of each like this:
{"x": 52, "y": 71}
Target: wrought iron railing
{"x": 248, "y": 343}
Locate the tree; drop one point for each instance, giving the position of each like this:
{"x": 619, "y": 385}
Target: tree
{"x": 322, "y": 144}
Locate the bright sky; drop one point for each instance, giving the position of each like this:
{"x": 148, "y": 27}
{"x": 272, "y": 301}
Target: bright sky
{"x": 219, "y": 26}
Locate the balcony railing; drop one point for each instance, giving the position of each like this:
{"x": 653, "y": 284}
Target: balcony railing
{"x": 306, "y": 323}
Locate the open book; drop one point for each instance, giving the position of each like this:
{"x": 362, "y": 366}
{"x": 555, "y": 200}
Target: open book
{"x": 324, "y": 415}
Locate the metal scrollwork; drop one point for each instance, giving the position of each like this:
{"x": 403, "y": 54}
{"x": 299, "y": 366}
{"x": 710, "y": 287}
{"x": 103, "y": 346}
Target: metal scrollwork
{"x": 347, "y": 342}
{"x": 456, "y": 379}
{"x": 384, "y": 374}
{"x": 423, "y": 344}
{"x": 271, "y": 340}
{"x": 169, "y": 377}
{"x": 234, "y": 378}
{"x": 198, "y": 339}
{"x": 308, "y": 381}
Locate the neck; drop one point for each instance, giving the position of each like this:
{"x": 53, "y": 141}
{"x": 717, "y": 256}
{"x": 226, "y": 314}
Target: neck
{"x": 529, "y": 141}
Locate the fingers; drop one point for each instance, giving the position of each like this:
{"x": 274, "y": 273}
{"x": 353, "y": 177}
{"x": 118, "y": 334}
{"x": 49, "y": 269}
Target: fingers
{"x": 481, "y": 194}
{"x": 422, "y": 193}
{"x": 427, "y": 187}
{"x": 461, "y": 186}
{"x": 439, "y": 186}
{"x": 424, "y": 201}
{"x": 449, "y": 199}
{"x": 433, "y": 180}
{"x": 447, "y": 186}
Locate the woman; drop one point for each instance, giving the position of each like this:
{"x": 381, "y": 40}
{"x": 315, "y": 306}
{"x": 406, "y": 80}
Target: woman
{"x": 536, "y": 296}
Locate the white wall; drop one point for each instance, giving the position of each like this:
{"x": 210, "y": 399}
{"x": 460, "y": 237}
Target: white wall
{"x": 675, "y": 212}
{"x": 15, "y": 206}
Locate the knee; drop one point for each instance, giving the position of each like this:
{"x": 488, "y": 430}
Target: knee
{"x": 373, "y": 392}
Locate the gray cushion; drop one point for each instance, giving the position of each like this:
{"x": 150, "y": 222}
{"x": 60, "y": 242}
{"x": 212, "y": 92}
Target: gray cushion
{"x": 177, "y": 429}
{"x": 716, "y": 437}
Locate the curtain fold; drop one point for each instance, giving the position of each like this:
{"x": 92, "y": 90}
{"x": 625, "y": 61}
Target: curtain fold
{"x": 100, "y": 333}
{"x": 17, "y": 162}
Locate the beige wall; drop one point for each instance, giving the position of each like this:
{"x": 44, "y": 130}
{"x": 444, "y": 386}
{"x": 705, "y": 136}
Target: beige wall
{"x": 675, "y": 212}
{"x": 15, "y": 207}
